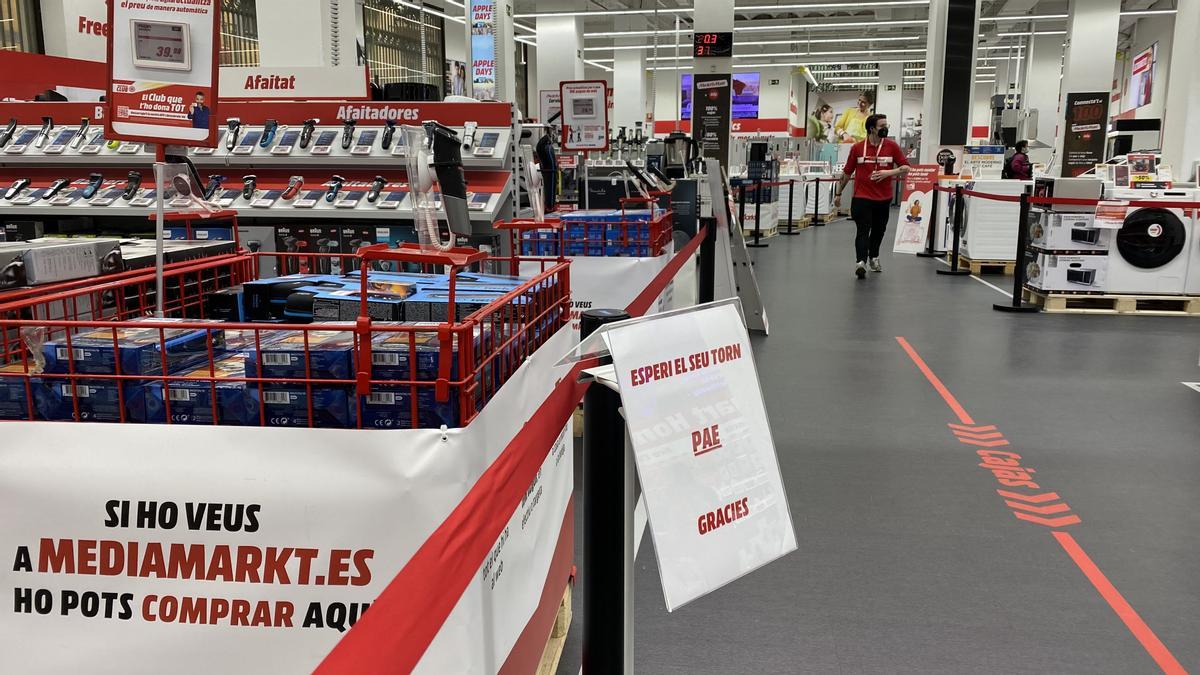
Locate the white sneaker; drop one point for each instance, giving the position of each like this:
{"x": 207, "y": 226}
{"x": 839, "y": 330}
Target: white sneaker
{"x": 875, "y": 266}
{"x": 860, "y": 269}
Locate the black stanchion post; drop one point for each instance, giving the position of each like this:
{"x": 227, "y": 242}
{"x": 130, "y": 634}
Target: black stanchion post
{"x": 931, "y": 233}
{"x": 817, "y": 203}
{"x": 605, "y": 643}
{"x": 708, "y": 263}
{"x": 742, "y": 207}
{"x": 958, "y": 214}
{"x": 758, "y": 198}
{"x": 1018, "y": 303}
{"x": 791, "y": 228}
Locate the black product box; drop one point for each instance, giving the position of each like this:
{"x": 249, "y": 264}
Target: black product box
{"x": 350, "y": 239}
{"x": 309, "y": 239}
{"x": 225, "y": 305}
{"x": 23, "y": 230}
{"x": 266, "y": 299}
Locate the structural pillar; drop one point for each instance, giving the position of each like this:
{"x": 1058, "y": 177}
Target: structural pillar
{"x": 1041, "y": 91}
{"x": 711, "y": 131}
{"x": 890, "y": 99}
{"x": 1090, "y": 61}
{"x": 629, "y": 88}
{"x": 1181, "y": 115}
{"x": 559, "y": 51}
{"x": 949, "y": 76}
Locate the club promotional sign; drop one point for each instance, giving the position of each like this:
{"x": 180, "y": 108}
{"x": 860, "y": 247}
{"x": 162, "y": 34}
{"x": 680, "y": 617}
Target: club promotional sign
{"x": 703, "y": 446}
{"x": 912, "y": 230}
{"x": 1086, "y": 122}
{"x": 483, "y": 49}
{"x": 712, "y": 100}
{"x": 162, "y": 60}
{"x": 584, "y": 114}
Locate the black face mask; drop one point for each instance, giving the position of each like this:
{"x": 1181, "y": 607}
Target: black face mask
{"x": 882, "y": 132}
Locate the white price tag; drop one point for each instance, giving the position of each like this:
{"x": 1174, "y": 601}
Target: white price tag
{"x": 54, "y": 149}
{"x": 321, "y": 149}
{"x": 15, "y": 149}
{"x": 304, "y": 203}
{"x": 282, "y": 150}
{"x": 129, "y": 148}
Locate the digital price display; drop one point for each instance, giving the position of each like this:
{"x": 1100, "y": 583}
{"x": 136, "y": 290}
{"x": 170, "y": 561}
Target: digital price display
{"x": 159, "y": 44}
{"x": 712, "y": 44}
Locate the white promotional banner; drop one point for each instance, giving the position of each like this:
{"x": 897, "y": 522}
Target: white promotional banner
{"x": 705, "y": 456}
{"x": 916, "y": 208}
{"x": 549, "y": 105}
{"x": 163, "y": 549}
{"x": 308, "y": 83}
{"x": 584, "y": 114}
{"x": 612, "y": 283}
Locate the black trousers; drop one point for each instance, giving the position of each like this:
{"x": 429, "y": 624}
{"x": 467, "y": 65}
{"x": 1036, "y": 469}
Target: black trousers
{"x": 871, "y": 218}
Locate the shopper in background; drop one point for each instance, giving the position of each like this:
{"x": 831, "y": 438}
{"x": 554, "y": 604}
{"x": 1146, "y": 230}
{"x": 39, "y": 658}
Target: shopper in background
{"x": 873, "y": 165}
{"x": 851, "y": 126}
{"x": 1018, "y": 165}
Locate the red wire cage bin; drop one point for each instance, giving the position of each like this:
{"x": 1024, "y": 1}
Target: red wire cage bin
{"x": 93, "y": 353}
{"x": 639, "y": 229}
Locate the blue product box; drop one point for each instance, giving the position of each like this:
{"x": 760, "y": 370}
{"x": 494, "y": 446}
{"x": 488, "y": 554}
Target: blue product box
{"x": 138, "y": 349}
{"x": 99, "y": 400}
{"x": 330, "y": 353}
{"x": 198, "y": 234}
{"x": 390, "y": 355}
{"x": 13, "y": 398}
{"x": 390, "y": 407}
{"x": 286, "y": 406}
{"x": 192, "y": 401}
{"x": 267, "y": 298}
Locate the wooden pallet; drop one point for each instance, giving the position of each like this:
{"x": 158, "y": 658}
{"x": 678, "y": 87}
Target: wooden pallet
{"x": 826, "y": 218}
{"x": 765, "y": 233}
{"x": 979, "y": 267}
{"x": 558, "y": 636}
{"x": 1143, "y": 305}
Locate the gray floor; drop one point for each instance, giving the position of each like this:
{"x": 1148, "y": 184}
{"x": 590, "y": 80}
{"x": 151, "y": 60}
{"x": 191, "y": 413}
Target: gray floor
{"x": 909, "y": 562}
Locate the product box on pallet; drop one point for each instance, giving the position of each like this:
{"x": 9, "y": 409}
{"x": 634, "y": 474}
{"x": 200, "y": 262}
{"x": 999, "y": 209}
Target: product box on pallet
{"x": 333, "y": 407}
{"x": 192, "y": 401}
{"x": 51, "y": 260}
{"x": 391, "y": 352}
{"x": 1055, "y": 272}
{"x": 330, "y": 355}
{"x": 346, "y": 305}
{"x": 390, "y": 407}
{"x": 140, "y": 350}
{"x": 266, "y": 299}
{"x": 1050, "y": 230}
{"x": 434, "y": 305}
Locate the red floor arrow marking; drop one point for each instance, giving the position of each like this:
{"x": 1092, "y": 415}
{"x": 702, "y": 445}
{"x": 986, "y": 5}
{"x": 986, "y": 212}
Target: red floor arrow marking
{"x": 983, "y": 444}
{"x": 1036, "y": 499}
{"x": 1044, "y": 510}
{"x": 979, "y": 437}
{"x": 990, "y": 427}
{"x": 1061, "y": 521}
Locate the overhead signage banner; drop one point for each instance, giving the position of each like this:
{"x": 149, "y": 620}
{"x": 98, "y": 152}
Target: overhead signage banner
{"x": 306, "y": 83}
{"x": 912, "y": 231}
{"x": 984, "y": 161}
{"x": 585, "y": 114}
{"x": 162, "y": 60}
{"x": 483, "y": 49}
{"x": 712, "y": 100}
{"x": 702, "y": 441}
{"x": 1086, "y": 122}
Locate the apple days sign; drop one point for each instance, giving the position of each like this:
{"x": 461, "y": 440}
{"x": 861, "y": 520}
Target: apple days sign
{"x": 702, "y": 442}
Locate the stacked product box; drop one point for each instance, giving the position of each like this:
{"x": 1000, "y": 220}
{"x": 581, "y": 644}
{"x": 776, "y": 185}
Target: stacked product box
{"x": 295, "y": 359}
{"x": 390, "y": 405}
{"x": 143, "y": 352}
{"x": 605, "y": 232}
{"x": 1067, "y": 253}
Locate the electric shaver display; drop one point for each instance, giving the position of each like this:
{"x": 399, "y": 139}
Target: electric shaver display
{"x": 214, "y": 184}
{"x": 388, "y": 133}
{"x": 235, "y": 132}
{"x": 295, "y": 183}
{"x": 348, "y": 133}
{"x": 95, "y": 180}
{"x": 55, "y": 188}
{"x": 307, "y": 132}
{"x": 15, "y": 189}
{"x": 268, "y": 133}
{"x": 335, "y": 186}
{"x": 7, "y": 134}
{"x": 377, "y": 186}
{"x": 132, "y": 182}
{"x": 44, "y": 132}
{"x": 79, "y": 135}
{"x": 249, "y": 186}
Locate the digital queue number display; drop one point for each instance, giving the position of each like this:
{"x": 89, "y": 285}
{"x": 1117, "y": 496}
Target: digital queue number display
{"x": 712, "y": 44}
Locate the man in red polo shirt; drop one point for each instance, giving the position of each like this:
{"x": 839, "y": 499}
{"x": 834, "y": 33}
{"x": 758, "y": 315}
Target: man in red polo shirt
{"x": 873, "y": 165}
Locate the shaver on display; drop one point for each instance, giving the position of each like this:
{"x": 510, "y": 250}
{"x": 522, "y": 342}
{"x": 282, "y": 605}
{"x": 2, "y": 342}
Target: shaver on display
{"x": 249, "y": 186}
{"x": 7, "y": 134}
{"x": 15, "y": 189}
{"x": 132, "y": 182}
{"x": 77, "y": 139}
{"x": 307, "y": 132}
{"x": 44, "y": 132}
{"x": 377, "y": 186}
{"x": 268, "y": 134}
{"x": 348, "y": 133}
{"x": 388, "y": 133}
{"x": 335, "y": 186}
{"x": 95, "y": 180}
{"x": 293, "y": 188}
{"x": 214, "y": 184}
{"x": 235, "y": 132}
{"x": 56, "y": 187}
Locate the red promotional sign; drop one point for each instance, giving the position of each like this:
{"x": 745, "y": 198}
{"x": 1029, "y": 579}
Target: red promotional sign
{"x": 917, "y": 197}
{"x": 162, "y": 71}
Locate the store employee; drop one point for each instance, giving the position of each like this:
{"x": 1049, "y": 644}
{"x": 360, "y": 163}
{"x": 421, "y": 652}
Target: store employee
{"x": 873, "y": 165}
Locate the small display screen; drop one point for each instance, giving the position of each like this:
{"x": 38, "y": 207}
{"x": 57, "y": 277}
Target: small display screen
{"x": 326, "y": 138}
{"x": 26, "y": 137}
{"x": 395, "y": 196}
{"x": 367, "y": 138}
{"x": 97, "y": 138}
{"x": 63, "y": 137}
{"x": 251, "y": 138}
{"x": 352, "y": 196}
{"x": 289, "y": 138}
{"x": 231, "y": 194}
{"x": 490, "y": 139}
{"x": 480, "y": 197}
{"x": 314, "y": 194}
{"x": 158, "y": 44}
{"x": 272, "y": 195}
{"x": 712, "y": 44}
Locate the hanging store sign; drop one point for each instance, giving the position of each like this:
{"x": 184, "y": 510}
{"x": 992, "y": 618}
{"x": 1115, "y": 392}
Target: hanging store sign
{"x": 711, "y": 95}
{"x": 702, "y": 441}
{"x": 917, "y": 197}
{"x": 1086, "y": 122}
{"x": 297, "y": 83}
{"x": 483, "y": 49}
{"x": 162, "y": 68}
{"x": 584, "y": 114}
{"x": 984, "y": 161}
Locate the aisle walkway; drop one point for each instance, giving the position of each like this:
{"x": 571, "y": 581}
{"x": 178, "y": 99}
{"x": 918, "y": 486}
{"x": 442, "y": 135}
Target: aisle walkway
{"x": 910, "y": 560}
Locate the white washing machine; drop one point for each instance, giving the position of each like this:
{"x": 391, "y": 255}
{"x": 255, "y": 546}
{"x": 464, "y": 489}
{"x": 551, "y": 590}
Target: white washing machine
{"x": 1154, "y": 248}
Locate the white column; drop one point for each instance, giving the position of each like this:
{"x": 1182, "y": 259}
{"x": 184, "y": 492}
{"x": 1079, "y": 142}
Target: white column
{"x": 629, "y": 88}
{"x": 304, "y": 39}
{"x": 713, "y": 16}
{"x": 935, "y": 70}
{"x": 1041, "y": 91}
{"x": 890, "y": 99}
{"x": 560, "y": 50}
{"x": 1181, "y": 116}
{"x": 1091, "y": 55}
